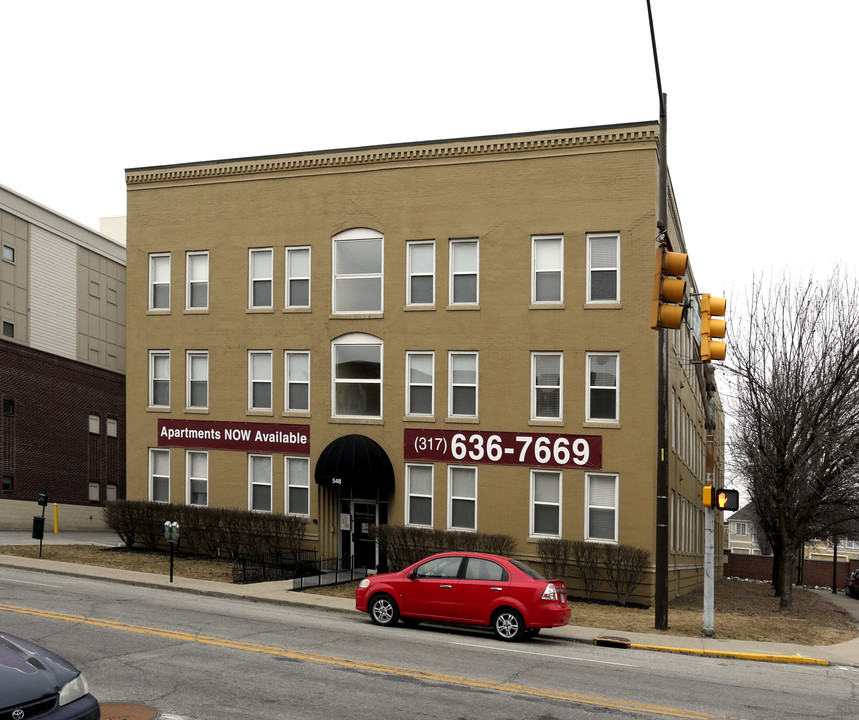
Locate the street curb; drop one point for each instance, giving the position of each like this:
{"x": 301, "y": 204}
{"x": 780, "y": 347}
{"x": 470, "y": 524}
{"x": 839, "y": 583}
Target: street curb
{"x": 761, "y": 657}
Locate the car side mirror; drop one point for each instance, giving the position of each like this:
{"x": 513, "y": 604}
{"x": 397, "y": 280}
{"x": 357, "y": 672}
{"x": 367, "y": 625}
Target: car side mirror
{"x": 412, "y": 575}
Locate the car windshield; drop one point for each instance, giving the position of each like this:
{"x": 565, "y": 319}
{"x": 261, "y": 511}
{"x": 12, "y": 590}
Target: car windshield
{"x": 527, "y": 569}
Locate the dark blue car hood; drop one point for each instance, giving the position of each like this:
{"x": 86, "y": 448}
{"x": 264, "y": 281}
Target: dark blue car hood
{"x": 29, "y": 672}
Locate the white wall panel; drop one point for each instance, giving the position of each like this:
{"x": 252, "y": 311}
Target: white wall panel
{"x": 53, "y": 294}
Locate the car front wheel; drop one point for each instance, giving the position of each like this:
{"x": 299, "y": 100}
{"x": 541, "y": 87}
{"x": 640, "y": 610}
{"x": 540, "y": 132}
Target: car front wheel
{"x": 384, "y": 610}
{"x": 507, "y": 624}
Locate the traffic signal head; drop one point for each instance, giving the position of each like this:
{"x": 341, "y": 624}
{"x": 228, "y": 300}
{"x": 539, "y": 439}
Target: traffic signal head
{"x": 669, "y": 289}
{"x": 727, "y": 499}
{"x": 712, "y": 309}
{"x": 709, "y": 496}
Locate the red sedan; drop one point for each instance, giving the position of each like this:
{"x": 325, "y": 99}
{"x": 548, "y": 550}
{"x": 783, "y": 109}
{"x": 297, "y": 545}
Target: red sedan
{"x": 470, "y": 589}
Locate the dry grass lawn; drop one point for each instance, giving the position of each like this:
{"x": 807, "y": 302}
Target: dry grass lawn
{"x": 743, "y": 610}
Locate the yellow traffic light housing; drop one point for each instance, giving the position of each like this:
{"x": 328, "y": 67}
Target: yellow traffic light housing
{"x": 669, "y": 289}
{"x": 709, "y": 496}
{"x": 712, "y": 326}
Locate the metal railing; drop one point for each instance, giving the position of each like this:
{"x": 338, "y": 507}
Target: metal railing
{"x": 302, "y": 567}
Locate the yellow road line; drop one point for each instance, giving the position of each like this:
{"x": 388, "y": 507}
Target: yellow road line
{"x": 363, "y": 665}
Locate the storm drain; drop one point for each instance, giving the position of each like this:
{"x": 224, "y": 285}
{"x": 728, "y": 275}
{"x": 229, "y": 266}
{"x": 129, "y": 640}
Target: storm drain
{"x": 121, "y": 711}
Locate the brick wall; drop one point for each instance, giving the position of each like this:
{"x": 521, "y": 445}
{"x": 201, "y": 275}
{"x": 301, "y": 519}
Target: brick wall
{"x": 814, "y": 572}
{"x": 45, "y": 442}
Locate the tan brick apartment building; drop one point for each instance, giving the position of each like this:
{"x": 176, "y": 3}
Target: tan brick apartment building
{"x": 452, "y": 334}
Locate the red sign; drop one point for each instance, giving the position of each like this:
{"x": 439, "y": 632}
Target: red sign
{"x": 240, "y": 436}
{"x": 504, "y": 448}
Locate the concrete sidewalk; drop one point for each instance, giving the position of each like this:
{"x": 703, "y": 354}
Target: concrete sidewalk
{"x": 846, "y": 654}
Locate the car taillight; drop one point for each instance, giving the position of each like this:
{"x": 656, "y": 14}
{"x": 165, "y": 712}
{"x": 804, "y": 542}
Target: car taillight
{"x": 550, "y": 593}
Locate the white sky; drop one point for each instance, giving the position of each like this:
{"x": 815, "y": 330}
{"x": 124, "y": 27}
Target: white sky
{"x": 762, "y": 150}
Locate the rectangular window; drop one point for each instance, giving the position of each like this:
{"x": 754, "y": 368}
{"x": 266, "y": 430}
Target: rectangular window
{"x": 358, "y": 271}
{"x": 419, "y": 495}
{"x": 159, "y": 475}
{"x": 8, "y": 329}
{"x": 261, "y": 265}
{"x": 421, "y": 273}
{"x": 298, "y": 277}
{"x": 94, "y": 492}
{"x": 462, "y": 371}
{"x": 197, "y": 468}
{"x": 547, "y": 261}
{"x": 601, "y": 503}
{"x": 159, "y": 378}
{"x": 8, "y": 406}
{"x": 420, "y": 381}
{"x": 602, "y": 397}
{"x": 740, "y": 528}
{"x": 546, "y": 395}
{"x": 603, "y": 268}
{"x": 545, "y": 503}
{"x": 259, "y": 379}
{"x": 95, "y": 425}
{"x": 111, "y": 427}
{"x": 297, "y": 381}
{"x": 198, "y": 379}
{"x": 8, "y": 483}
{"x": 462, "y": 494}
{"x": 197, "y": 274}
{"x": 259, "y": 482}
{"x": 9, "y": 253}
{"x": 159, "y": 281}
{"x": 464, "y": 268}
{"x": 297, "y": 472}
{"x": 357, "y": 380}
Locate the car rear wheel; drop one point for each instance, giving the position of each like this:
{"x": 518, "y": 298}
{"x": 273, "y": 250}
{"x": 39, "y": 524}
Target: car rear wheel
{"x": 507, "y": 624}
{"x": 384, "y": 611}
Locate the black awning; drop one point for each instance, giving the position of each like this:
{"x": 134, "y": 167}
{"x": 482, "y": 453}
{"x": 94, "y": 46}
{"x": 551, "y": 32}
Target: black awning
{"x": 355, "y": 461}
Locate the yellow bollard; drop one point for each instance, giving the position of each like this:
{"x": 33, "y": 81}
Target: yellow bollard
{"x": 56, "y": 518}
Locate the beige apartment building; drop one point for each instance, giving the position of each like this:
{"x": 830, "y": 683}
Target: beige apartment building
{"x": 451, "y": 334}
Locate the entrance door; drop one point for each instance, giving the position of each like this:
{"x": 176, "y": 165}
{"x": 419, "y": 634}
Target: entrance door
{"x": 363, "y": 547}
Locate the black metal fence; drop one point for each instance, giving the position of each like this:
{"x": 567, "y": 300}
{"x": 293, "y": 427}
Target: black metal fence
{"x": 302, "y": 567}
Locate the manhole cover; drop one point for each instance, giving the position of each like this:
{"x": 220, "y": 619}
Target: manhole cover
{"x": 121, "y": 711}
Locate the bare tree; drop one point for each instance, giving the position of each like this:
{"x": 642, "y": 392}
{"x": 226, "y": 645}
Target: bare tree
{"x": 793, "y": 375}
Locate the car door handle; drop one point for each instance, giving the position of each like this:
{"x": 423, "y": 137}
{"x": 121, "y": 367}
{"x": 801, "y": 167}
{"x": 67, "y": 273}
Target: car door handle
{"x": 445, "y": 587}
{"x": 496, "y": 589}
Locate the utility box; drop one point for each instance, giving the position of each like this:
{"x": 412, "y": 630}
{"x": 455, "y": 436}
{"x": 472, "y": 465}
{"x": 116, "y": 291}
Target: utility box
{"x": 38, "y": 527}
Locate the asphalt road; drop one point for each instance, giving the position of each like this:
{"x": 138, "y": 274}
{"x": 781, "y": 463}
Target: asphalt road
{"x": 203, "y": 658}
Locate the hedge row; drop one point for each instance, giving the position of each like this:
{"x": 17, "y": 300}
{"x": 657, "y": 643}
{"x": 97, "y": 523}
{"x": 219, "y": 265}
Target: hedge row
{"x": 215, "y": 532}
{"x": 401, "y": 545}
{"x": 618, "y": 566}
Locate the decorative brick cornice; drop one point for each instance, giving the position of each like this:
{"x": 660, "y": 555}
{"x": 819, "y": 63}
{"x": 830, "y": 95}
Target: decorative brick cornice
{"x": 440, "y": 151}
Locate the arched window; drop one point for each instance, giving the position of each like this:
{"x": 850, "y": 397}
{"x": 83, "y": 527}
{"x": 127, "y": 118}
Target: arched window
{"x": 357, "y": 271}
{"x": 356, "y": 369}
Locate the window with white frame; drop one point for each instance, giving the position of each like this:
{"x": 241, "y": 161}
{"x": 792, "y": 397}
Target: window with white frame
{"x": 462, "y": 371}
{"x": 420, "y": 377}
{"x": 197, "y": 470}
{"x": 740, "y": 528}
{"x": 546, "y": 389}
{"x": 421, "y": 272}
{"x": 464, "y": 270}
{"x": 601, "y": 504}
{"x": 9, "y": 253}
{"x": 259, "y": 483}
{"x": 159, "y": 281}
{"x": 197, "y": 283}
{"x": 602, "y": 397}
{"x": 603, "y": 268}
{"x": 419, "y": 482}
{"x": 95, "y": 425}
{"x": 197, "y": 390}
{"x": 259, "y": 379}
{"x": 159, "y": 378}
{"x": 111, "y": 427}
{"x": 357, "y": 268}
{"x": 159, "y": 475}
{"x": 298, "y": 277}
{"x": 546, "y": 503}
{"x": 357, "y": 376}
{"x": 547, "y": 262}
{"x": 297, "y": 363}
{"x": 462, "y": 498}
{"x": 261, "y": 269}
{"x": 297, "y": 473}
